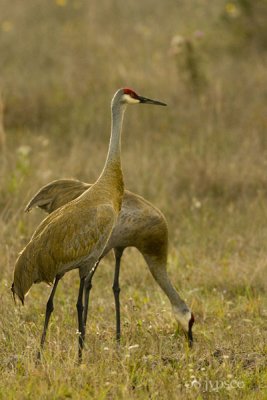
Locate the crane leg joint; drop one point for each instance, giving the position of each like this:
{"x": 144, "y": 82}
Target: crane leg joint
{"x": 49, "y": 306}
{"x": 116, "y": 289}
{"x": 79, "y": 307}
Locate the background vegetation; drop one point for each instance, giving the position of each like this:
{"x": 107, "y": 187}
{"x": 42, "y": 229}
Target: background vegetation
{"x": 202, "y": 161}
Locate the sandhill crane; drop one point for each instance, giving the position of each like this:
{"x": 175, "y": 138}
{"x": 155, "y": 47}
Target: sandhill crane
{"x": 140, "y": 224}
{"x": 75, "y": 235}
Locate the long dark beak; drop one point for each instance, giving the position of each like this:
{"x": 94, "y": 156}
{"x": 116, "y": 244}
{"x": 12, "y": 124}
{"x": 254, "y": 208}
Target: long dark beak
{"x": 190, "y": 338}
{"x": 145, "y": 100}
{"x": 190, "y": 333}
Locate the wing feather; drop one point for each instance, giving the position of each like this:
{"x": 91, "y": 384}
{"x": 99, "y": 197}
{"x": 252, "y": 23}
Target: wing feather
{"x": 74, "y": 238}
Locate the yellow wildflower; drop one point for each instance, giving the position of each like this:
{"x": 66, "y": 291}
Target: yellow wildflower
{"x": 232, "y": 10}
{"x": 61, "y": 3}
{"x": 7, "y": 26}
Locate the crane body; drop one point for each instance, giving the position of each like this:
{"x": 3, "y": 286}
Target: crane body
{"x": 141, "y": 225}
{"x": 63, "y": 241}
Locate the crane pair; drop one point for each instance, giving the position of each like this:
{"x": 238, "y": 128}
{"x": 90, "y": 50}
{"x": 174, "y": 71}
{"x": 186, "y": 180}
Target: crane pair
{"x": 86, "y": 223}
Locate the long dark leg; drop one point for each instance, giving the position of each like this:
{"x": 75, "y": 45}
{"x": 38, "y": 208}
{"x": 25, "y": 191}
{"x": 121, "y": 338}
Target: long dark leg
{"x": 116, "y": 290}
{"x": 87, "y": 289}
{"x": 49, "y": 310}
{"x": 79, "y": 307}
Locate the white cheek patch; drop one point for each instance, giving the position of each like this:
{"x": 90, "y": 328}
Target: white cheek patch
{"x": 182, "y": 318}
{"x": 130, "y": 100}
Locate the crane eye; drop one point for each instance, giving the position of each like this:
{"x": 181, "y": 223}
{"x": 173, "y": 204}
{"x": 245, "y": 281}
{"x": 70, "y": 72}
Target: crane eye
{"x": 133, "y": 95}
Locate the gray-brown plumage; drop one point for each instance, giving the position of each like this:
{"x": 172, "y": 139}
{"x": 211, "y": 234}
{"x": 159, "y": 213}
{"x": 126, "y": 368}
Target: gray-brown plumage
{"x": 75, "y": 235}
{"x": 140, "y": 225}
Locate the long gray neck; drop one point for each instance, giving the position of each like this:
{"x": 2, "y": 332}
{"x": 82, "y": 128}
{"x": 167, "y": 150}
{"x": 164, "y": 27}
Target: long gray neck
{"x": 114, "y": 150}
{"x": 160, "y": 275}
{"x": 172, "y": 293}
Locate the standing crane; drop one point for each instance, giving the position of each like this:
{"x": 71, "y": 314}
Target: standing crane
{"x": 75, "y": 235}
{"x": 140, "y": 224}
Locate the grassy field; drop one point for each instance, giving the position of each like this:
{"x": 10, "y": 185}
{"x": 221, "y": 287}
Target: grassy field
{"x": 202, "y": 161}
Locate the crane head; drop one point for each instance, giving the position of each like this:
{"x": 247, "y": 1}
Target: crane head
{"x": 129, "y": 96}
{"x": 186, "y": 319}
